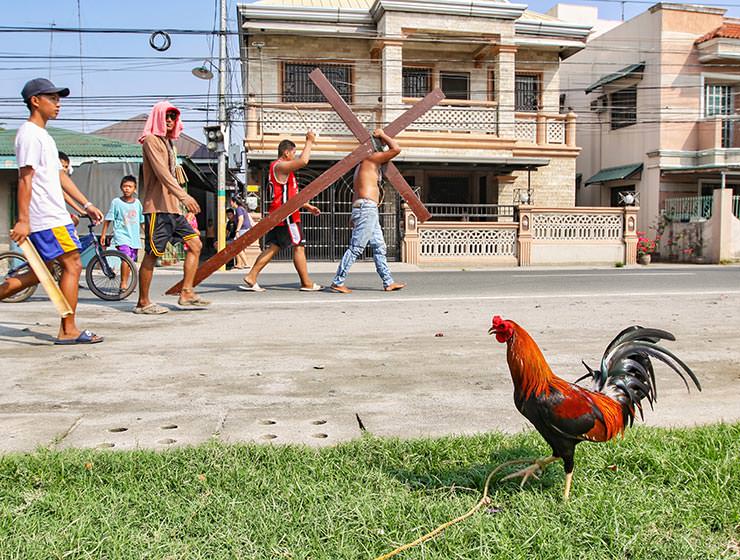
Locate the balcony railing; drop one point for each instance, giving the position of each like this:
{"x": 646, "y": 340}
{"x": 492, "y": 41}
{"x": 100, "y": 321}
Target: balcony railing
{"x": 450, "y": 116}
{"x": 687, "y": 208}
{"x": 455, "y": 115}
{"x": 545, "y": 128}
{"x": 281, "y": 118}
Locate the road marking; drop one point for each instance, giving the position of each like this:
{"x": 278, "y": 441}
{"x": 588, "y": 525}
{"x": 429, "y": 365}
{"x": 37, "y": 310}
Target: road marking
{"x": 344, "y": 300}
{"x": 611, "y": 275}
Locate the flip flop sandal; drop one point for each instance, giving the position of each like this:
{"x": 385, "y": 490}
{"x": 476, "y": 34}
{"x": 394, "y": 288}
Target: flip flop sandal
{"x": 151, "y": 309}
{"x": 247, "y": 287}
{"x": 196, "y": 302}
{"x": 314, "y": 288}
{"x": 85, "y": 337}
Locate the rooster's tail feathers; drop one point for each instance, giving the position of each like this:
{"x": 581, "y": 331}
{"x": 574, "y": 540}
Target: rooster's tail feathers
{"x": 626, "y": 366}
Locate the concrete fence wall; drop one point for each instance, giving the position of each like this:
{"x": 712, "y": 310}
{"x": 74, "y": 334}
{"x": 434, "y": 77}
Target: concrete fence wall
{"x": 541, "y": 236}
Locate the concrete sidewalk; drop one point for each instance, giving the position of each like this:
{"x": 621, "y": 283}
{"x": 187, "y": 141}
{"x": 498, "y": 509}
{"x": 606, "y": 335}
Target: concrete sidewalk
{"x": 291, "y": 367}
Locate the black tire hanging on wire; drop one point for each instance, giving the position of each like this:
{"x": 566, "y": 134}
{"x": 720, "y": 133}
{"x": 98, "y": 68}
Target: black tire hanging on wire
{"x": 160, "y": 34}
{"x": 109, "y": 288}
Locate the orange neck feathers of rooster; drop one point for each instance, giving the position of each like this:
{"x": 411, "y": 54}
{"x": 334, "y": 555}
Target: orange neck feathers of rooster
{"x": 529, "y": 370}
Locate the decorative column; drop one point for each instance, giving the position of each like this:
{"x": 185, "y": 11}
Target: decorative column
{"x": 410, "y": 246}
{"x": 504, "y": 71}
{"x": 720, "y": 242}
{"x": 524, "y": 239}
{"x": 630, "y": 234}
{"x": 570, "y": 129}
{"x": 392, "y": 78}
{"x": 541, "y": 128}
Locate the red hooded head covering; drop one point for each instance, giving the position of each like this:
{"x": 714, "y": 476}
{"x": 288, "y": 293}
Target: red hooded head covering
{"x": 156, "y": 124}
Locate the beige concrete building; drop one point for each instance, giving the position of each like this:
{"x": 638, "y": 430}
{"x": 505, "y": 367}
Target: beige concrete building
{"x": 501, "y": 136}
{"x": 657, "y": 104}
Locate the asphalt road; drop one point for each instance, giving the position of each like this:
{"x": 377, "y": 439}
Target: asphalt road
{"x": 289, "y": 366}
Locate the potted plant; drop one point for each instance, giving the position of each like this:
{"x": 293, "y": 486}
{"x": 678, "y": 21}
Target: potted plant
{"x": 645, "y": 248}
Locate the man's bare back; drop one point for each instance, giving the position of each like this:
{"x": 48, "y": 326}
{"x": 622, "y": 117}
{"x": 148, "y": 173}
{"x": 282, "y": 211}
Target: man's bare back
{"x": 367, "y": 178}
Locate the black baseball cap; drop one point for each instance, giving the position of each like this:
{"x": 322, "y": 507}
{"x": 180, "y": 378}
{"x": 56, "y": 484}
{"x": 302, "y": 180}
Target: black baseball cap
{"x": 38, "y": 86}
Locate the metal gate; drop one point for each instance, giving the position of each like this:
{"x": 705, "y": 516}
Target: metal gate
{"x": 327, "y": 235}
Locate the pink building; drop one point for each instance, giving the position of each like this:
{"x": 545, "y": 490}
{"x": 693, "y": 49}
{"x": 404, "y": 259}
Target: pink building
{"x": 657, "y": 108}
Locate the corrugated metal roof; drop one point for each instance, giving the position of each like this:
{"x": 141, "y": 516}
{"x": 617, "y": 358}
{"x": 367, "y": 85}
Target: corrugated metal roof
{"x": 129, "y": 131}
{"x": 615, "y": 173}
{"x": 618, "y": 75}
{"x": 77, "y": 144}
{"x": 727, "y": 31}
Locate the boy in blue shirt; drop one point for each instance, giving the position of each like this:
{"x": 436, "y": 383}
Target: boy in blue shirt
{"x": 127, "y": 215}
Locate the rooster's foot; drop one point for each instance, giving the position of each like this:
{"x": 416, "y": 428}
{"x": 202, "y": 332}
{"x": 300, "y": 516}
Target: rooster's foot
{"x": 536, "y": 468}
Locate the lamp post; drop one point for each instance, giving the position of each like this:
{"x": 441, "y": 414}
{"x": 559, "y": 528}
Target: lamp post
{"x": 221, "y": 236}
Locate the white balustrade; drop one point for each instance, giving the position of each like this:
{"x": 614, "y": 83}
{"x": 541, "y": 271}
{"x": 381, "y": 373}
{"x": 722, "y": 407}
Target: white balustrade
{"x": 324, "y": 121}
{"x": 451, "y": 242}
{"x": 551, "y": 226}
{"x": 525, "y": 129}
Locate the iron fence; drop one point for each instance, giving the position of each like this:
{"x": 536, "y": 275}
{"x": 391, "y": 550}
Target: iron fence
{"x": 684, "y": 209}
{"x": 471, "y": 212}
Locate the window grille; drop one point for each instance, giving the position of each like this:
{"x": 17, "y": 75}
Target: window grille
{"x": 298, "y": 87}
{"x": 527, "y": 92}
{"x": 417, "y": 82}
{"x": 624, "y": 107}
{"x": 718, "y": 101}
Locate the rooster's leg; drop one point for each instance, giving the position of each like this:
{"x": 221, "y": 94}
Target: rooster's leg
{"x": 532, "y": 470}
{"x": 568, "y": 480}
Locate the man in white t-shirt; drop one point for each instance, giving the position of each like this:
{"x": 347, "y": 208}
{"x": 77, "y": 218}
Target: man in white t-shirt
{"x": 42, "y": 215}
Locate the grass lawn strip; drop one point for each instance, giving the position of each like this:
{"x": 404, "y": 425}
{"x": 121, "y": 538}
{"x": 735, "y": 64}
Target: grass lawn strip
{"x": 656, "y": 494}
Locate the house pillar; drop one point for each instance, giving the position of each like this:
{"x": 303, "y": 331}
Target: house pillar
{"x": 504, "y": 70}
{"x": 392, "y": 79}
{"x": 410, "y": 246}
{"x": 720, "y": 239}
{"x": 630, "y": 234}
{"x": 570, "y": 129}
{"x": 524, "y": 238}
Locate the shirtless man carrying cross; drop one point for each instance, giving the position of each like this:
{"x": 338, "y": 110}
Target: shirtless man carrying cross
{"x": 365, "y": 220}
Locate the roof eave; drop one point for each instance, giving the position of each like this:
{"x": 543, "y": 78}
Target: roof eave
{"x": 566, "y": 31}
{"x": 320, "y": 14}
{"x": 474, "y": 8}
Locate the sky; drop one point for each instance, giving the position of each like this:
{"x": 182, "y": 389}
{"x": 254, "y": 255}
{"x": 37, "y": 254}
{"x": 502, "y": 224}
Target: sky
{"x": 107, "y": 90}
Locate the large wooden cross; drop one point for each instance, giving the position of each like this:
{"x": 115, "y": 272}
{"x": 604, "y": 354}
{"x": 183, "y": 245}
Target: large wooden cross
{"x": 331, "y": 175}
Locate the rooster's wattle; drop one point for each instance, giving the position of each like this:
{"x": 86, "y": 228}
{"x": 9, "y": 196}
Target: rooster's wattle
{"x": 565, "y": 413}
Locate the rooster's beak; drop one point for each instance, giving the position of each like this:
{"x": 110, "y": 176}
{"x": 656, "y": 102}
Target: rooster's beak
{"x": 492, "y": 330}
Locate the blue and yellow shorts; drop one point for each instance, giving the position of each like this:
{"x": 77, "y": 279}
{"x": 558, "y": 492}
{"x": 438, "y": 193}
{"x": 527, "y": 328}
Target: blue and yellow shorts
{"x": 51, "y": 243}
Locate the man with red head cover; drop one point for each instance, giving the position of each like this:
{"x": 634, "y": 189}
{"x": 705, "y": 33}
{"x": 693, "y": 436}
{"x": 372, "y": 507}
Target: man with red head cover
{"x": 162, "y": 200}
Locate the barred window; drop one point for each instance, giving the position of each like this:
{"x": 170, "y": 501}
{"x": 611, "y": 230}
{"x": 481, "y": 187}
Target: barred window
{"x": 526, "y": 92}
{"x": 624, "y": 107}
{"x": 417, "y": 82}
{"x": 298, "y": 87}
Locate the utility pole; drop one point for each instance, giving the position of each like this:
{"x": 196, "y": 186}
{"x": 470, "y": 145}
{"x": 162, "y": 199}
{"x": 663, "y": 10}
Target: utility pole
{"x": 221, "y": 240}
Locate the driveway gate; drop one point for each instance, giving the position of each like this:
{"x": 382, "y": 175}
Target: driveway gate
{"x": 327, "y": 235}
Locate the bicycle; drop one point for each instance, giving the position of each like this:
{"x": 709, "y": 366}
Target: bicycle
{"x": 102, "y": 274}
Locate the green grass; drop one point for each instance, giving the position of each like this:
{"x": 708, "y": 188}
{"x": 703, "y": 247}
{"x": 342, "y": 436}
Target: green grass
{"x": 673, "y": 494}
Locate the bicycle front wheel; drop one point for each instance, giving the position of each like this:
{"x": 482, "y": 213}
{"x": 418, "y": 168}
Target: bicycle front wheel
{"x": 12, "y": 265}
{"x": 122, "y": 280}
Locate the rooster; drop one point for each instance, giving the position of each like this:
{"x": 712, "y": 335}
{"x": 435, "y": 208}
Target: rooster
{"x": 565, "y": 413}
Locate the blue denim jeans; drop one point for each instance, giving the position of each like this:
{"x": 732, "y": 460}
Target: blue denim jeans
{"x": 366, "y": 231}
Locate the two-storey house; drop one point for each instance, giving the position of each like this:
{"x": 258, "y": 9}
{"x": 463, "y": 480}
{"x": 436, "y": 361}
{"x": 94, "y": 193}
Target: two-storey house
{"x": 658, "y": 107}
{"x": 500, "y": 138}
